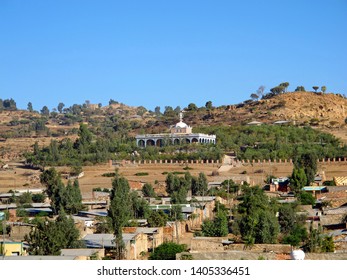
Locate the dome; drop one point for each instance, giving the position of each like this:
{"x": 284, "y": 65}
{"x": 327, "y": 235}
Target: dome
{"x": 181, "y": 125}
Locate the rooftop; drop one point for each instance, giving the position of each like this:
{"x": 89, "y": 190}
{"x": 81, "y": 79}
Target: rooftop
{"x": 104, "y": 240}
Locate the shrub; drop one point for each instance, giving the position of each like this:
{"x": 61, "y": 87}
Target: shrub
{"x": 141, "y": 174}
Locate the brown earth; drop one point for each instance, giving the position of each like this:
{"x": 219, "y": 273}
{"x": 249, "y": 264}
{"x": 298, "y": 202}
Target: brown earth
{"x": 18, "y": 177}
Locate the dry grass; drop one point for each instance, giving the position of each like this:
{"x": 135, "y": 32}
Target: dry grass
{"x": 17, "y": 177}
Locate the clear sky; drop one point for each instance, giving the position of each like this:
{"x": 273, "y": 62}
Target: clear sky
{"x": 168, "y": 52}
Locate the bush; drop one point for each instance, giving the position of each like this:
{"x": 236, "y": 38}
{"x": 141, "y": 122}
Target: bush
{"x": 141, "y": 174}
{"x": 306, "y": 199}
{"x": 110, "y": 174}
{"x": 167, "y": 251}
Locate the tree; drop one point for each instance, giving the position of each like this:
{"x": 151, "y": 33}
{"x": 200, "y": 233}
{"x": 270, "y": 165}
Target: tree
{"x": 84, "y": 140}
{"x": 112, "y": 102}
{"x": 277, "y": 90}
{"x": 307, "y": 161}
{"x": 30, "y": 107}
{"x": 218, "y": 227}
{"x": 157, "y": 219}
{"x": 54, "y": 188}
{"x": 192, "y": 107}
{"x": 254, "y": 96}
{"x": 157, "y": 111}
{"x": 177, "y": 110}
{"x": 286, "y": 218}
{"x": 45, "y": 111}
{"x": 285, "y": 85}
{"x": 256, "y": 220}
{"x": 49, "y": 237}
{"x": 260, "y": 91}
{"x": 60, "y": 107}
{"x": 119, "y": 211}
{"x": 167, "y": 251}
{"x": 323, "y": 89}
{"x": 139, "y": 206}
{"x": 172, "y": 183}
{"x": 298, "y": 180}
{"x": 208, "y": 105}
{"x": 72, "y": 202}
{"x": 169, "y": 112}
{"x": 300, "y": 88}
{"x": 306, "y": 199}
{"x": 148, "y": 190}
{"x": 200, "y": 185}
{"x": 315, "y": 88}
{"x": 9, "y": 104}
{"x": 141, "y": 110}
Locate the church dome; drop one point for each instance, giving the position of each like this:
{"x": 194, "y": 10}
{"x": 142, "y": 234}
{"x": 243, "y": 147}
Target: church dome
{"x": 181, "y": 125}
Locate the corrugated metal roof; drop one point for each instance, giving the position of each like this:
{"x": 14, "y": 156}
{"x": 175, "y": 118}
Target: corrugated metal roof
{"x": 104, "y": 240}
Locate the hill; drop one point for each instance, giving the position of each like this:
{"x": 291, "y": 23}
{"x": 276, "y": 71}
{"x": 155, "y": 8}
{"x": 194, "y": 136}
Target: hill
{"x": 20, "y": 129}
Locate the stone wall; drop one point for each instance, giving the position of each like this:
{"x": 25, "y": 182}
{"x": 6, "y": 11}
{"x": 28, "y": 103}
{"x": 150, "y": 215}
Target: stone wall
{"x": 246, "y": 255}
{"x": 213, "y": 244}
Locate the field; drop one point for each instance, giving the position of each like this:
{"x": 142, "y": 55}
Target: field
{"x": 18, "y": 177}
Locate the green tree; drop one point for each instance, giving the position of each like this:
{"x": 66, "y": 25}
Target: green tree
{"x": 9, "y": 104}
{"x": 38, "y": 197}
{"x": 139, "y": 206}
{"x": 60, "y": 107}
{"x": 148, "y": 190}
{"x": 49, "y": 237}
{"x": 208, "y": 105}
{"x": 300, "y": 88}
{"x": 30, "y": 107}
{"x": 167, "y": 251}
{"x": 307, "y": 161}
{"x": 55, "y": 189}
{"x": 157, "y": 219}
{"x": 119, "y": 211}
{"x": 286, "y": 218}
{"x": 216, "y": 228}
{"x": 256, "y": 220}
{"x": 277, "y": 90}
{"x": 306, "y": 199}
{"x": 45, "y": 111}
{"x": 323, "y": 89}
{"x": 298, "y": 180}
{"x": 315, "y": 88}
{"x": 200, "y": 185}
{"x": 176, "y": 213}
{"x": 192, "y": 107}
{"x": 25, "y": 198}
{"x": 254, "y": 96}
{"x": 72, "y": 202}
{"x": 157, "y": 111}
{"x": 285, "y": 85}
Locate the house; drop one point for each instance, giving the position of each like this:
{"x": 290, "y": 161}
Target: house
{"x": 135, "y": 243}
{"x": 340, "y": 181}
{"x": 315, "y": 189}
{"x": 280, "y": 184}
{"x": 84, "y": 254}
{"x": 10, "y": 248}
{"x": 155, "y": 235}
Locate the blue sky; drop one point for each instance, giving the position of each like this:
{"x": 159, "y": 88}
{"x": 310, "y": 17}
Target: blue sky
{"x": 158, "y": 53}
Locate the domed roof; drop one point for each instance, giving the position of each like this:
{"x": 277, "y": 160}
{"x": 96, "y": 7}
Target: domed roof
{"x": 181, "y": 124}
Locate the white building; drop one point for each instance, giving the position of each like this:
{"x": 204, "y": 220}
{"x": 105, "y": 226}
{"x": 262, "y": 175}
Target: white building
{"x": 180, "y": 133}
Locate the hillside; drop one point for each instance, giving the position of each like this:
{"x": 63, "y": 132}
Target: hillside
{"x": 20, "y": 129}
{"x": 302, "y": 107}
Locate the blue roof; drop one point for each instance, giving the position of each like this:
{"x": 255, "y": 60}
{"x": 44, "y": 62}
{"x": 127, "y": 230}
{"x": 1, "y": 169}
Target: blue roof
{"x": 314, "y": 188}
